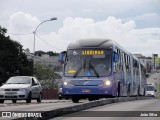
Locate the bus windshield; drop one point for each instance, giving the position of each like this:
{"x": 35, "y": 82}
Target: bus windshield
{"x": 88, "y": 63}
{"x": 150, "y": 88}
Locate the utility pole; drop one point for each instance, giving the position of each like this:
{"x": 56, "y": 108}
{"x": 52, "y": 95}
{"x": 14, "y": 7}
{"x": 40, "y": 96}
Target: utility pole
{"x": 154, "y": 59}
{"x": 34, "y": 33}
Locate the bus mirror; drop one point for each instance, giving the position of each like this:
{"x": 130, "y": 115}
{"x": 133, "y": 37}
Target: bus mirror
{"x": 61, "y": 57}
{"x": 115, "y": 57}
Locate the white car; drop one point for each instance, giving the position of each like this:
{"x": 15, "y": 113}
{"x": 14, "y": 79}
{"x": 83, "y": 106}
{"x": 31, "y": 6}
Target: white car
{"x": 21, "y": 88}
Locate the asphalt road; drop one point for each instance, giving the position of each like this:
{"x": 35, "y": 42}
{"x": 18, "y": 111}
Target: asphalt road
{"x": 46, "y": 105}
{"x": 152, "y": 105}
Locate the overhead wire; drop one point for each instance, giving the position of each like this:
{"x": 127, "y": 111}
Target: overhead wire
{"x": 20, "y": 33}
{"x": 44, "y": 41}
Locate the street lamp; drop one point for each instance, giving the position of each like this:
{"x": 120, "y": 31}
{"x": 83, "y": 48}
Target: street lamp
{"x": 34, "y": 32}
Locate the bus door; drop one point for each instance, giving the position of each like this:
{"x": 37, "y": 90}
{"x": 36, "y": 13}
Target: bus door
{"x": 125, "y": 77}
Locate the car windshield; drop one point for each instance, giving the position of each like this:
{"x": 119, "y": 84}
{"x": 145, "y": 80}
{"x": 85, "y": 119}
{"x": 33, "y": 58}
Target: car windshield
{"x": 18, "y": 80}
{"x": 150, "y": 88}
{"x": 90, "y": 63}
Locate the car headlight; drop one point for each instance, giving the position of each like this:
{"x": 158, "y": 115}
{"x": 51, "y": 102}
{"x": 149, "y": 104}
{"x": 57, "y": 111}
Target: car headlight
{"x": 107, "y": 82}
{"x": 23, "y": 89}
{"x": 1, "y": 89}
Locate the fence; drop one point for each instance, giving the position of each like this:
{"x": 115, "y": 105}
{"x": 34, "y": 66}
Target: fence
{"x": 48, "y": 93}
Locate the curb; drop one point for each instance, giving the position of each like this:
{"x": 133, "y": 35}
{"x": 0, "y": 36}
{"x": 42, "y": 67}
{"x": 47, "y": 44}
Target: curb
{"x": 67, "y": 110}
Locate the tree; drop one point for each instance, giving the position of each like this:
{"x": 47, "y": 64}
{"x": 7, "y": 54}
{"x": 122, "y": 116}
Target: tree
{"x": 51, "y": 53}
{"x": 40, "y": 53}
{"x": 13, "y": 60}
{"x": 46, "y": 75}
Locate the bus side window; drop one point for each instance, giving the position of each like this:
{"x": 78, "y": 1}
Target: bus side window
{"x": 117, "y": 65}
{"x": 121, "y": 61}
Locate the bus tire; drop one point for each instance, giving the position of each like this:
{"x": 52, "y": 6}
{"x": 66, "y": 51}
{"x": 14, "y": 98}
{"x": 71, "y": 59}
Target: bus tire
{"x": 1, "y": 101}
{"x": 128, "y": 90}
{"x": 75, "y": 99}
{"x": 118, "y": 90}
{"x": 14, "y": 101}
{"x": 144, "y": 92}
{"x": 90, "y": 99}
{"x": 138, "y": 91}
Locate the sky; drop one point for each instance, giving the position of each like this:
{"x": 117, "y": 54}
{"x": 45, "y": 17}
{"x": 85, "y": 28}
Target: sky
{"x": 135, "y": 25}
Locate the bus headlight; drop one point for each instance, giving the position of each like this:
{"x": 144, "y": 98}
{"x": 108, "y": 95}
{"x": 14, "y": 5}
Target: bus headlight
{"x": 107, "y": 82}
{"x": 65, "y": 83}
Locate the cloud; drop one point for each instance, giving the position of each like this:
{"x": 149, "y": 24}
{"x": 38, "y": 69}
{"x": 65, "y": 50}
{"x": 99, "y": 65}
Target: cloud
{"x": 144, "y": 41}
{"x": 148, "y": 20}
{"x": 20, "y": 22}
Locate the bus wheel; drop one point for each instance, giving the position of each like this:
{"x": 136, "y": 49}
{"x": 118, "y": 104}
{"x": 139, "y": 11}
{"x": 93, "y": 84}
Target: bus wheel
{"x": 128, "y": 91}
{"x": 118, "y": 90}
{"x": 144, "y": 93}
{"x": 1, "y": 101}
{"x": 138, "y": 91}
{"x": 75, "y": 99}
{"x": 91, "y": 98}
{"x": 14, "y": 101}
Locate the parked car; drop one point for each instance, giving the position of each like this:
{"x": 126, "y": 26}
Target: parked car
{"x": 21, "y": 88}
{"x": 150, "y": 90}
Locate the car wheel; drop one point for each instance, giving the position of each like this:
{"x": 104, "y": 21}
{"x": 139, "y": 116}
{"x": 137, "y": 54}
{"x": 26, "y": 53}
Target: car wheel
{"x": 39, "y": 98}
{"x": 28, "y": 100}
{"x": 14, "y": 101}
{"x": 1, "y": 101}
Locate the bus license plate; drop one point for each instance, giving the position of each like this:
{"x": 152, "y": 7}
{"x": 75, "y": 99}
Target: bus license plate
{"x": 86, "y": 91}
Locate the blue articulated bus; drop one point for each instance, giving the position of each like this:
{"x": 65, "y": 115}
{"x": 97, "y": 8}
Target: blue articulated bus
{"x": 100, "y": 68}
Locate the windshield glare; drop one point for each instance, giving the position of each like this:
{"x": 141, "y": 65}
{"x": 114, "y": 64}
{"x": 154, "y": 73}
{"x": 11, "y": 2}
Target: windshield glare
{"x": 90, "y": 64}
{"x": 18, "y": 80}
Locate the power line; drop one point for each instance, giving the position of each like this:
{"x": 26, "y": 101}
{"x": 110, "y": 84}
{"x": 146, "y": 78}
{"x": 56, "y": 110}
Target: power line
{"x": 44, "y": 41}
{"x": 20, "y": 33}
{"x": 38, "y": 37}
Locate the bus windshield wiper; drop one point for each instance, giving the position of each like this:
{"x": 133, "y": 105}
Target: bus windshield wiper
{"x": 80, "y": 69}
{"x": 94, "y": 70}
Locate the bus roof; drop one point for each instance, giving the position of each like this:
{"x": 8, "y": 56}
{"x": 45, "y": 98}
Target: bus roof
{"x": 92, "y": 43}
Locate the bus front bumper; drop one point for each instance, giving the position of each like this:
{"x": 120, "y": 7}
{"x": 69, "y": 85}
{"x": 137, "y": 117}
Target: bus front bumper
{"x": 87, "y": 90}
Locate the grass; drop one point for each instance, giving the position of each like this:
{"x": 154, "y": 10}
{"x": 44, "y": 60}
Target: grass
{"x": 158, "y": 91}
